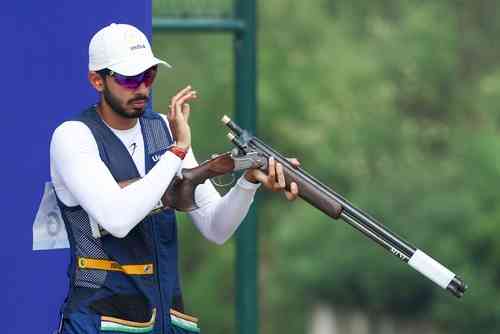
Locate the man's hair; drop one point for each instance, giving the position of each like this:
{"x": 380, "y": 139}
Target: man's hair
{"x": 103, "y": 73}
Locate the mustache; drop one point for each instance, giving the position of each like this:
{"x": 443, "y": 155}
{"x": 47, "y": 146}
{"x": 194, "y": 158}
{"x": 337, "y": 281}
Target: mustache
{"x": 139, "y": 98}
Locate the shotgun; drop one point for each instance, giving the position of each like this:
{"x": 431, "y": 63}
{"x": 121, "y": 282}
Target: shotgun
{"x": 251, "y": 152}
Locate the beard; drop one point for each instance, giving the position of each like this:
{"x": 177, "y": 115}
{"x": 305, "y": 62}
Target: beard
{"x": 118, "y": 106}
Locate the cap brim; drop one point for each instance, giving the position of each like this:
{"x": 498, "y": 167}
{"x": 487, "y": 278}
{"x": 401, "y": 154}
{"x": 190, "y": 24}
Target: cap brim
{"x": 136, "y": 65}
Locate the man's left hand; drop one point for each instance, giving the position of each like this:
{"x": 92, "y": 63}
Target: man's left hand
{"x": 274, "y": 180}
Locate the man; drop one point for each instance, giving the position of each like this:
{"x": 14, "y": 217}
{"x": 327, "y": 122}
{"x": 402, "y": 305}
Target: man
{"x": 123, "y": 269}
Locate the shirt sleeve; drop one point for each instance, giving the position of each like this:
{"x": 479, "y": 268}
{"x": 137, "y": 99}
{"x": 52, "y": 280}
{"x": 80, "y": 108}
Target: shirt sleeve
{"x": 75, "y": 158}
{"x": 217, "y": 218}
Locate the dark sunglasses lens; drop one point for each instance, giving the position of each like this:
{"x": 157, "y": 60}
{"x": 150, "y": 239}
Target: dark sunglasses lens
{"x": 127, "y": 82}
{"x": 149, "y": 76}
{"x": 132, "y": 82}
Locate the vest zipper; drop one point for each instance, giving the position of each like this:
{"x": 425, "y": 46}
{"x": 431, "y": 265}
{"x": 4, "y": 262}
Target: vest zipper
{"x": 157, "y": 273}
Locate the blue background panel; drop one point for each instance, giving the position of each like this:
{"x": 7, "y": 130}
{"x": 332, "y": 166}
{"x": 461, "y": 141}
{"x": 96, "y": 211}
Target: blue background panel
{"x": 44, "y": 55}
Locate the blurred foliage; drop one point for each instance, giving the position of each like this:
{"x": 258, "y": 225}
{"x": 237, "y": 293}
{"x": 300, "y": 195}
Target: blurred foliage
{"x": 394, "y": 104}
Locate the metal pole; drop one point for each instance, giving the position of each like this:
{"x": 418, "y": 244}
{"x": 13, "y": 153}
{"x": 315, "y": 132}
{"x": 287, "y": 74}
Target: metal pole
{"x": 246, "y": 110}
{"x": 198, "y": 25}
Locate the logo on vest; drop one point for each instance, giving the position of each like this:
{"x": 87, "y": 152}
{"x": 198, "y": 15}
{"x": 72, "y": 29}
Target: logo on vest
{"x": 156, "y": 157}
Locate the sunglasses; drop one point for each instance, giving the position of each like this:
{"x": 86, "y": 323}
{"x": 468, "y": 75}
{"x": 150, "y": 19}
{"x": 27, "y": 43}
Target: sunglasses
{"x": 133, "y": 82}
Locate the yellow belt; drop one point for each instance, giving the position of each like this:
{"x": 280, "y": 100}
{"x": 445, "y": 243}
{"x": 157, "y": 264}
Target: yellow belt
{"x": 129, "y": 269}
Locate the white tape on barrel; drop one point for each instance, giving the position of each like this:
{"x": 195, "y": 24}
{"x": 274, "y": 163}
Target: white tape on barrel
{"x": 431, "y": 269}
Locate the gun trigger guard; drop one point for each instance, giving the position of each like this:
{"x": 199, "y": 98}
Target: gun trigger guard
{"x": 216, "y": 182}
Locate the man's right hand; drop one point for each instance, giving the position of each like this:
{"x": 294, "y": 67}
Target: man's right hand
{"x": 178, "y": 117}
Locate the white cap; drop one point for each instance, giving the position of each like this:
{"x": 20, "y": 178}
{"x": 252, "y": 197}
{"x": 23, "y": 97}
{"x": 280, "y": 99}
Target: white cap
{"x": 123, "y": 49}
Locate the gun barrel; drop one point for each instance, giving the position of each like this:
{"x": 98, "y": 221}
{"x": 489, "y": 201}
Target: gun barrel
{"x": 457, "y": 287}
{"x": 233, "y": 126}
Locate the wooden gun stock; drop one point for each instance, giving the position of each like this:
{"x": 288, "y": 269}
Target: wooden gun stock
{"x": 180, "y": 193}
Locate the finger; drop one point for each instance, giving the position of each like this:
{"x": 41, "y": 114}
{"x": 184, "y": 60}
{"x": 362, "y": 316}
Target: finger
{"x": 190, "y": 96}
{"x": 271, "y": 171}
{"x": 179, "y": 94}
{"x": 186, "y": 110}
{"x": 293, "y": 193}
{"x": 170, "y": 113}
{"x": 190, "y": 92}
{"x": 294, "y": 162}
{"x": 289, "y": 196}
{"x": 260, "y": 177}
{"x": 280, "y": 175}
{"x": 175, "y": 100}
{"x": 182, "y": 100}
{"x": 278, "y": 181}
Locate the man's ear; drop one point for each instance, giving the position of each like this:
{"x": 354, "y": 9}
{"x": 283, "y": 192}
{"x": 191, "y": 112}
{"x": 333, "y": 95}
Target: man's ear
{"x": 96, "y": 81}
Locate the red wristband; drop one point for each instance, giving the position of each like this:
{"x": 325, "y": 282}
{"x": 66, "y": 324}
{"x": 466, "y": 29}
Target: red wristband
{"x": 180, "y": 152}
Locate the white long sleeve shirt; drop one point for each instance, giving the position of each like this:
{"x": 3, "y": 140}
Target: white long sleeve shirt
{"x": 81, "y": 178}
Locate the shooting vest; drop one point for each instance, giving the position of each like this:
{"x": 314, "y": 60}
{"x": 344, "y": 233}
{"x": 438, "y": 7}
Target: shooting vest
{"x": 130, "y": 284}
